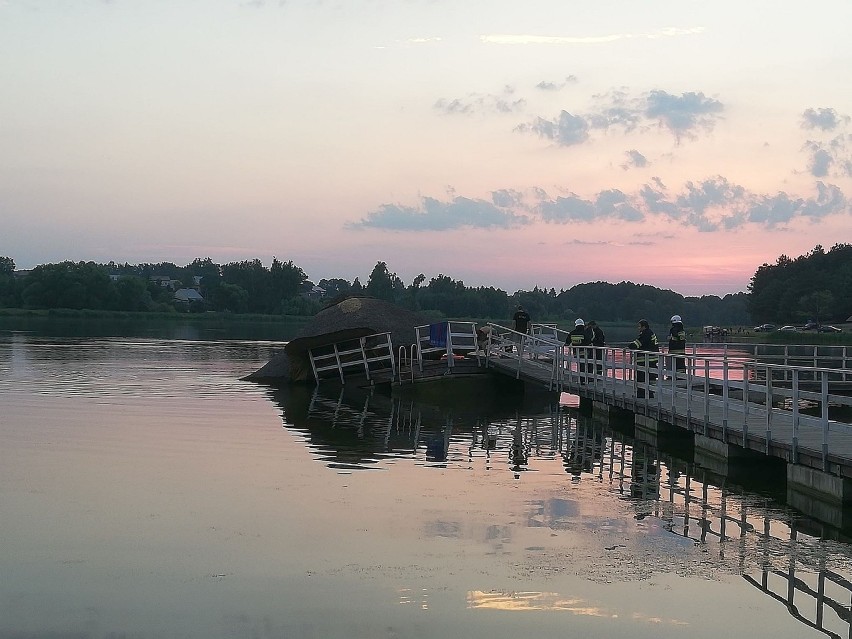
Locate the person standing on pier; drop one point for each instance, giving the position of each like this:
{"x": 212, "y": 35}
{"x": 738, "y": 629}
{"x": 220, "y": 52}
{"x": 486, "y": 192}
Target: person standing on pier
{"x": 646, "y": 342}
{"x": 677, "y": 344}
{"x": 578, "y": 339}
{"x": 596, "y": 337}
{"x": 521, "y": 322}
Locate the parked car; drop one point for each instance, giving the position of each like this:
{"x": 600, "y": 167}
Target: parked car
{"x": 764, "y": 328}
{"x": 789, "y": 328}
{"x": 825, "y": 328}
{"x": 810, "y": 326}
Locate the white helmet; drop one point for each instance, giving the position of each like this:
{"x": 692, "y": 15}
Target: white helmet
{"x": 676, "y": 318}
{"x": 579, "y": 322}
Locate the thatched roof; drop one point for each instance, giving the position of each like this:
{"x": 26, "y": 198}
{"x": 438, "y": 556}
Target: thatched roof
{"x": 352, "y": 318}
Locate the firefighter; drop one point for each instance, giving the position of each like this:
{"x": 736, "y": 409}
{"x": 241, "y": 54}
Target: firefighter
{"x": 646, "y": 359}
{"x": 578, "y": 339}
{"x": 677, "y": 344}
{"x": 596, "y": 337}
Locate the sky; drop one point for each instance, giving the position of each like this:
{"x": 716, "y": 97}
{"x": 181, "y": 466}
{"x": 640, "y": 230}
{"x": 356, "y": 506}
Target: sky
{"x": 512, "y": 144}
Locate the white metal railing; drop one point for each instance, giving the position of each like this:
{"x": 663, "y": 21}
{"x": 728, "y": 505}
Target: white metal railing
{"x": 541, "y": 350}
{"x": 406, "y": 359}
{"x": 449, "y": 338}
{"x": 363, "y": 353}
{"x": 817, "y": 356}
{"x": 373, "y": 352}
{"x": 732, "y": 387}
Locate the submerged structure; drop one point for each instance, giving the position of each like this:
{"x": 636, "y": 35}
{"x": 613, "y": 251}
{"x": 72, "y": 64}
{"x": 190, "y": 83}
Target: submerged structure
{"x": 351, "y": 319}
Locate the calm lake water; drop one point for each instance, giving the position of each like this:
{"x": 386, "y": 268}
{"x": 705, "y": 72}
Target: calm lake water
{"x": 146, "y": 492}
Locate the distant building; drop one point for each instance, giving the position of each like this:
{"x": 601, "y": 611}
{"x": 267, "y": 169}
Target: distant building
{"x": 188, "y": 296}
{"x": 316, "y": 293}
{"x": 165, "y": 281}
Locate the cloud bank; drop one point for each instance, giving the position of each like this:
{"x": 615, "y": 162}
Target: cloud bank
{"x": 684, "y": 116}
{"x": 712, "y": 205}
{"x": 829, "y": 155}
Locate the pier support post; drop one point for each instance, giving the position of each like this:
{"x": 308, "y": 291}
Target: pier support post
{"x": 723, "y": 458}
{"x": 819, "y": 484}
{"x": 826, "y": 498}
{"x": 657, "y": 432}
{"x": 609, "y": 413}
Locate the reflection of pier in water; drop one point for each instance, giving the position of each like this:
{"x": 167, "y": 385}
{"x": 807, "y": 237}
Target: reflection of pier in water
{"x": 783, "y": 554}
{"x": 772, "y": 547}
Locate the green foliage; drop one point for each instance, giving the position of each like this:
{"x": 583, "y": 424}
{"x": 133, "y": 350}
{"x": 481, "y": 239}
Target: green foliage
{"x": 815, "y": 286}
{"x": 248, "y": 287}
{"x": 267, "y": 289}
{"x": 69, "y": 285}
{"x": 335, "y": 287}
{"x": 383, "y": 284}
{"x": 132, "y": 294}
{"x": 228, "y": 297}
{"x": 7, "y": 266}
{"x": 9, "y": 291}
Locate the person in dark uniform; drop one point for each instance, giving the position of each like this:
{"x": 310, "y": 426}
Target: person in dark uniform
{"x": 677, "y": 344}
{"x": 596, "y": 337}
{"x": 577, "y": 339}
{"x": 521, "y": 321}
{"x": 646, "y": 343}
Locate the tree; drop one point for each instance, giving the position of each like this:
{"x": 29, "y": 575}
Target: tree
{"x": 383, "y": 284}
{"x": 8, "y": 285}
{"x": 7, "y": 266}
{"x": 335, "y": 287}
{"x": 784, "y": 291}
{"x": 285, "y": 283}
{"x": 817, "y": 304}
{"x": 209, "y": 273}
{"x": 229, "y": 297}
{"x": 69, "y": 285}
{"x": 132, "y": 294}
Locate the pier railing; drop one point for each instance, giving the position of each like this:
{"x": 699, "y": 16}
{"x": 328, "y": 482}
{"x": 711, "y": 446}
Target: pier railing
{"x": 367, "y": 355}
{"x": 449, "y": 339}
{"x": 361, "y": 354}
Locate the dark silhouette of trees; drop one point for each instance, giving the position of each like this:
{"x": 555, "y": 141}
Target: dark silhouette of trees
{"x": 283, "y": 288}
{"x": 75, "y": 285}
{"x": 9, "y": 293}
{"x": 384, "y": 285}
{"x": 815, "y": 286}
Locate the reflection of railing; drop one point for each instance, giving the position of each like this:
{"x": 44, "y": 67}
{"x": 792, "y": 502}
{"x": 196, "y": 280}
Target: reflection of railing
{"x": 696, "y": 509}
{"x": 821, "y": 601}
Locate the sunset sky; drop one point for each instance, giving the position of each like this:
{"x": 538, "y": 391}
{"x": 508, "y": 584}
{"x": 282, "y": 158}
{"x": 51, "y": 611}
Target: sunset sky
{"x": 511, "y": 144}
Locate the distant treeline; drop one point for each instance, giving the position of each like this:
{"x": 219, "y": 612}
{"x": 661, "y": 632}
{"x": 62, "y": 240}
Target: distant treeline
{"x": 284, "y": 288}
{"x": 816, "y": 286}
